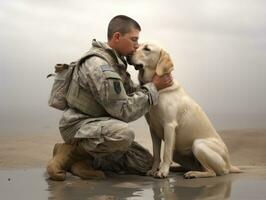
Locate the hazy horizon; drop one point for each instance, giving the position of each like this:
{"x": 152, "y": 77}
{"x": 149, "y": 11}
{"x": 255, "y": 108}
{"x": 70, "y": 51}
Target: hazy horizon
{"x": 218, "y": 49}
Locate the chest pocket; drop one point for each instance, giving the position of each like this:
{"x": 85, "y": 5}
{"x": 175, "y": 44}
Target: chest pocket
{"x": 115, "y": 87}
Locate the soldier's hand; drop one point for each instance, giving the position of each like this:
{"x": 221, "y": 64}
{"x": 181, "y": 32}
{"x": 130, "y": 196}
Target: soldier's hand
{"x": 162, "y": 82}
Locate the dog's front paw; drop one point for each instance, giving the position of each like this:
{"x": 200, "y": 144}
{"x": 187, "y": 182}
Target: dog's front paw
{"x": 154, "y": 169}
{"x": 163, "y": 172}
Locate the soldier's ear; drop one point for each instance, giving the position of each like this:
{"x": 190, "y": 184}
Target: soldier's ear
{"x": 165, "y": 64}
{"x": 116, "y": 36}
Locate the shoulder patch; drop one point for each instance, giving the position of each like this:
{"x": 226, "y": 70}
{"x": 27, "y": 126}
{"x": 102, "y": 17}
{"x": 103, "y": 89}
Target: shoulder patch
{"x": 106, "y": 68}
{"x": 117, "y": 87}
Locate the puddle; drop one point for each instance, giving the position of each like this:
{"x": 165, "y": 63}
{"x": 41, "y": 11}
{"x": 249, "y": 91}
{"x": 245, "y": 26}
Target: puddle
{"x": 33, "y": 184}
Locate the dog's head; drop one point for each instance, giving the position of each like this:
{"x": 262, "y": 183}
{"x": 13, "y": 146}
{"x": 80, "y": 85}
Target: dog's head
{"x": 151, "y": 59}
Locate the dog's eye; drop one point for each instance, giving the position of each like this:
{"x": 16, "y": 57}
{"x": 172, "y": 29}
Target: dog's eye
{"x": 146, "y": 48}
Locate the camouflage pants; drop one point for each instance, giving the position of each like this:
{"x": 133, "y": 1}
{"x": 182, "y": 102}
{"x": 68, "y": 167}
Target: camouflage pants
{"x": 110, "y": 142}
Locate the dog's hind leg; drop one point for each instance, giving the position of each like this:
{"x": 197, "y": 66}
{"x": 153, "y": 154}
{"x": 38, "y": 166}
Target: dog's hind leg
{"x": 212, "y": 155}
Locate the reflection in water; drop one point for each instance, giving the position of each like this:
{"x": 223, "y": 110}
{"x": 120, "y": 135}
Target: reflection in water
{"x": 112, "y": 188}
{"x": 32, "y": 184}
{"x": 137, "y": 187}
{"x": 191, "y": 190}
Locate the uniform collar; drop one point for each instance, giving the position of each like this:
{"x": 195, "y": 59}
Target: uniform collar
{"x": 122, "y": 63}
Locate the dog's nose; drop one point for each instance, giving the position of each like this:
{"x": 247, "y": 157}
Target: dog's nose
{"x": 138, "y": 66}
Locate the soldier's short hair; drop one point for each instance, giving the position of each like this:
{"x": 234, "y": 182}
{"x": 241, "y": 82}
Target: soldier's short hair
{"x": 121, "y": 24}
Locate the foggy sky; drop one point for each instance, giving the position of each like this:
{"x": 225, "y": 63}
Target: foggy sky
{"x": 218, "y": 48}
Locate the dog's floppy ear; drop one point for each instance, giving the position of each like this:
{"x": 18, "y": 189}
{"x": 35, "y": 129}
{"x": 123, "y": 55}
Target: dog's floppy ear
{"x": 165, "y": 64}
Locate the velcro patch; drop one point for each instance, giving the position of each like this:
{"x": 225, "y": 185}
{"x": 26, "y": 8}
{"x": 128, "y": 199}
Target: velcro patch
{"x": 106, "y": 68}
{"x": 117, "y": 87}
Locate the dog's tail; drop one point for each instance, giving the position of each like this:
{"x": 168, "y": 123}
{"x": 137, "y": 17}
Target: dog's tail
{"x": 234, "y": 169}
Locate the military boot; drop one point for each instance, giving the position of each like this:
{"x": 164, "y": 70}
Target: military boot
{"x": 137, "y": 160}
{"x": 61, "y": 161}
{"x": 71, "y": 158}
{"x": 84, "y": 170}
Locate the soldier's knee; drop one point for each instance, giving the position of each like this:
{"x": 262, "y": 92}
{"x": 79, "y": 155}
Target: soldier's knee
{"x": 131, "y": 135}
{"x": 127, "y": 137}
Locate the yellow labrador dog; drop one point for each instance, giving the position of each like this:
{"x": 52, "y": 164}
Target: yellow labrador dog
{"x": 189, "y": 137}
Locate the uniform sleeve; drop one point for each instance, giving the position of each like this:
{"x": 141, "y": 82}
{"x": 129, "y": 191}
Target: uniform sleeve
{"x": 107, "y": 88}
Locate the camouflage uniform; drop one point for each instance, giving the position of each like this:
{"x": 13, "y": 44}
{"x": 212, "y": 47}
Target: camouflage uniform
{"x": 107, "y": 136}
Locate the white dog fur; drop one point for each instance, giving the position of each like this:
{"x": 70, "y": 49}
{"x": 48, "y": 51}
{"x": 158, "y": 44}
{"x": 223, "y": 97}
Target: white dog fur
{"x": 189, "y": 137}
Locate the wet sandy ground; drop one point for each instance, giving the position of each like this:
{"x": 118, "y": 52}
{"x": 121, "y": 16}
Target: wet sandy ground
{"x": 23, "y": 159}
{"x": 246, "y": 147}
{"x": 33, "y": 184}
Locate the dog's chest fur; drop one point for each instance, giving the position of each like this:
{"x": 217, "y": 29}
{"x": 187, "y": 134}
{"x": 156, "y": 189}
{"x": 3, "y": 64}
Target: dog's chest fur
{"x": 167, "y": 109}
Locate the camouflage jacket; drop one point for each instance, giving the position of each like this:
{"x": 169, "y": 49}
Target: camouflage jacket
{"x": 112, "y": 88}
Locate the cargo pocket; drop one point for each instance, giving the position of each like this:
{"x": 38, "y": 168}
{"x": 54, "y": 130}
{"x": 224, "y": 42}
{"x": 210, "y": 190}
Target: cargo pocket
{"x": 90, "y": 130}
